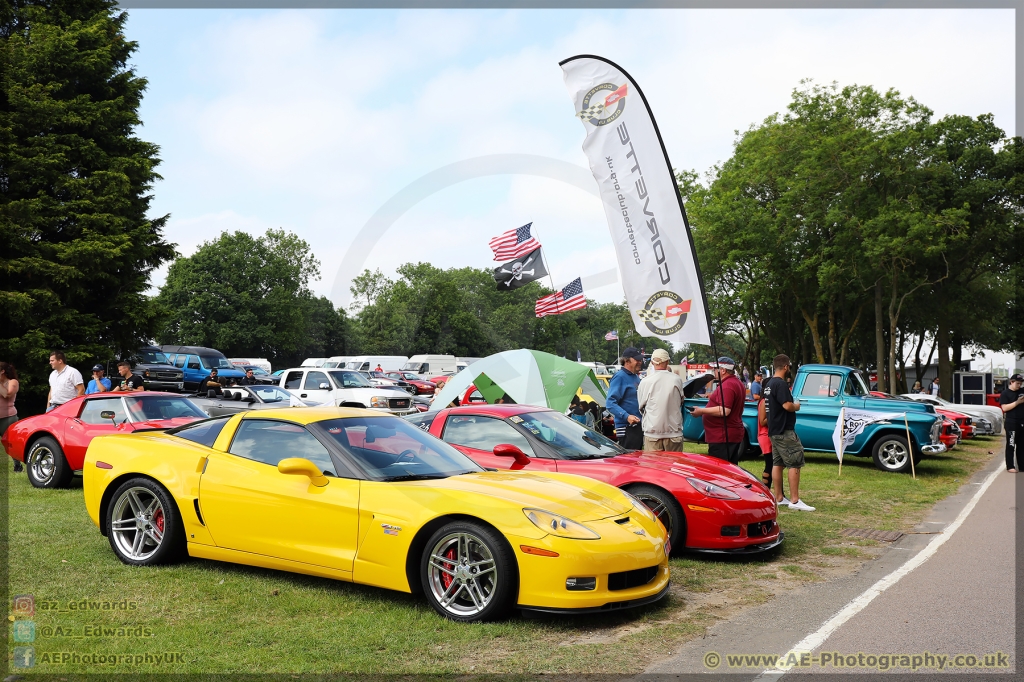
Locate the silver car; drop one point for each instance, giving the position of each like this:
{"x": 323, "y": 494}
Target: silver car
{"x": 235, "y": 399}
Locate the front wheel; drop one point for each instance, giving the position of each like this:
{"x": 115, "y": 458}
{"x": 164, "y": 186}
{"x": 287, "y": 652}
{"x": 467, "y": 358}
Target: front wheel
{"x": 468, "y": 572}
{"x": 664, "y": 506}
{"x": 143, "y": 524}
{"x": 46, "y": 465}
{"x": 891, "y": 453}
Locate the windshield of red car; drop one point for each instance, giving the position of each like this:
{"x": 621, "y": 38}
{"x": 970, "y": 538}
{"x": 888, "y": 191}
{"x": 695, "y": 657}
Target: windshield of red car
{"x": 156, "y": 407}
{"x": 392, "y": 448}
{"x": 570, "y": 438}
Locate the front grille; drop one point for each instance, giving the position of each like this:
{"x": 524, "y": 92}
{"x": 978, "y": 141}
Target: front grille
{"x": 168, "y": 376}
{"x": 628, "y": 579}
{"x": 760, "y": 530}
{"x": 398, "y": 403}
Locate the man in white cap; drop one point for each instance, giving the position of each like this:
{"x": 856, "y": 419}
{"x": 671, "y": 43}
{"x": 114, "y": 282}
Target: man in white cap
{"x": 660, "y": 394}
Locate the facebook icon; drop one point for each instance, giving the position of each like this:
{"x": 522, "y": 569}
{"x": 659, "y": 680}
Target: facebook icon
{"x": 24, "y": 656}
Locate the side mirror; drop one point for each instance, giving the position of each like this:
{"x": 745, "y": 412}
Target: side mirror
{"x": 107, "y": 414}
{"x": 324, "y": 386}
{"x": 302, "y": 467}
{"x": 248, "y": 399}
{"x": 508, "y": 450}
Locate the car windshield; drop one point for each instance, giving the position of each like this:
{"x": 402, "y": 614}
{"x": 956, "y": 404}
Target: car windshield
{"x": 257, "y": 370}
{"x": 569, "y": 438}
{"x": 407, "y": 375}
{"x": 343, "y": 379}
{"x": 271, "y": 394}
{"x": 390, "y": 448}
{"x": 212, "y": 361}
{"x": 412, "y": 367}
{"x": 150, "y": 407}
{"x": 150, "y": 357}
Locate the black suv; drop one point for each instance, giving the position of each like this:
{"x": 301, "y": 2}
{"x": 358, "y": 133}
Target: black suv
{"x": 157, "y": 372}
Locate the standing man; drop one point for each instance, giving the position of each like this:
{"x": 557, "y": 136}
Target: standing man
{"x": 660, "y": 396}
{"x": 128, "y": 383}
{"x": 622, "y": 401}
{"x": 755, "y": 385}
{"x": 1011, "y": 400}
{"x": 65, "y": 381}
{"x": 725, "y": 435}
{"x": 249, "y": 379}
{"x": 99, "y": 383}
{"x": 935, "y": 387}
{"x": 787, "y": 450}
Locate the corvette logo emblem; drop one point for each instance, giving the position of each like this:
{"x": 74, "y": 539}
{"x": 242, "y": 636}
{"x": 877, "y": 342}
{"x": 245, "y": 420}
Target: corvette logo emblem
{"x": 601, "y": 111}
{"x": 674, "y": 313}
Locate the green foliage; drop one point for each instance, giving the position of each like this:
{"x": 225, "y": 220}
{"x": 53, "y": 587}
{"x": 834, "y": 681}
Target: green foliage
{"x": 250, "y": 296}
{"x": 78, "y": 247}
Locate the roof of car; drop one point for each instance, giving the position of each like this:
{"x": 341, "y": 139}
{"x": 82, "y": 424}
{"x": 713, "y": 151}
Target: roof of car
{"x": 309, "y": 415}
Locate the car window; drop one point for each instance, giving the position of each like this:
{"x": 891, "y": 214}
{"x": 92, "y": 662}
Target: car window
{"x": 569, "y": 438}
{"x": 422, "y": 421}
{"x": 204, "y": 432}
{"x": 212, "y": 361}
{"x": 821, "y": 385}
{"x": 91, "y": 411}
{"x": 348, "y": 379}
{"x": 313, "y": 381}
{"x": 179, "y": 361}
{"x": 483, "y": 433}
{"x": 853, "y": 386}
{"x": 145, "y": 408}
{"x": 293, "y": 380}
{"x": 272, "y": 394}
{"x": 269, "y": 441}
{"x": 193, "y": 362}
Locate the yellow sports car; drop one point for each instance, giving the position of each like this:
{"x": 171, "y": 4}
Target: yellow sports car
{"x": 355, "y": 495}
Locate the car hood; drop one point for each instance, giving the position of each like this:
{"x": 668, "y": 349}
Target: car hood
{"x": 575, "y": 500}
{"x": 704, "y": 467}
{"x": 162, "y": 423}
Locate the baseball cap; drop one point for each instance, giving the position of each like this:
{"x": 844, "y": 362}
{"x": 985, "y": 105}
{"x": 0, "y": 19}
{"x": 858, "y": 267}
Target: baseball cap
{"x": 632, "y": 353}
{"x": 724, "y": 362}
{"x": 660, "y": 356}
{"x": 98, "y": 368}
{"x": 1016, "y": 377}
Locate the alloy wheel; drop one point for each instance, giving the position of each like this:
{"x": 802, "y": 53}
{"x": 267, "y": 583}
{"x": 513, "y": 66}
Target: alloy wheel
{"x": 462, "y": 574}
{"x": 42, "y": 464}
{"x": 137, "y": 523}
{"x": 658, "y": 508}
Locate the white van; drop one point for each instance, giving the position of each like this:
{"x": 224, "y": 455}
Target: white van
{"x": 337, "y": 361}
{"x": 431, "y": 364}
{"x": 262, "y": 363}
{"x": 313, "y": 362}
{"x": 368, "y": 363}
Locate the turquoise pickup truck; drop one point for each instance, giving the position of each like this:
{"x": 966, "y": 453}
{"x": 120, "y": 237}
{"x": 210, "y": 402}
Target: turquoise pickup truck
{"x": 822, "y": 390}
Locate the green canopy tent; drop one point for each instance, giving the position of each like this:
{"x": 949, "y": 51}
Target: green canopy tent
{"x": 529, "y": 377}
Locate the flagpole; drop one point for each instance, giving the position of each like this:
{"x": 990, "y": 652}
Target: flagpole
{"x": 910, "y": 447}
{"x": 842, "y": 436}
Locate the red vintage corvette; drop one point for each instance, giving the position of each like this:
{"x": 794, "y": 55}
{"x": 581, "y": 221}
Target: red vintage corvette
{"x": 706, "y": 504}
{"x": 53, "y": 445}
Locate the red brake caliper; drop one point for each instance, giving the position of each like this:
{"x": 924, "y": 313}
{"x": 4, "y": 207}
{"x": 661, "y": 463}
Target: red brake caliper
{"x": 446, "y": 580}
{"x": 158, "y": 520}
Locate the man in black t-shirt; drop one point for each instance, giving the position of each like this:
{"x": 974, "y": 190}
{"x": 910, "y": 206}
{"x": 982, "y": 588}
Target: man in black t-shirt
{"x": 1011, "y": 401}
{"x": 212, "y": 382}
{"x": 128, "y": 382}
{"x": 787, "y": 450}
{"x": 249, "y": 379}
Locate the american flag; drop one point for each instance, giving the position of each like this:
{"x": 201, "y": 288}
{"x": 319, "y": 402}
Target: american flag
{"x": 569, "y": 298}
{"x": 514, "y": 243}
{"x": 612, "y": 336}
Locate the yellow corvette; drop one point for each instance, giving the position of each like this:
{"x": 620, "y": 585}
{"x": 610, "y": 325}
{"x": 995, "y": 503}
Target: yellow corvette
{"x": 364, "y": 497}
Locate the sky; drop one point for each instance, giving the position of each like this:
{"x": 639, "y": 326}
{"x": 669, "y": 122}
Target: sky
{"x": 311, "y": 120}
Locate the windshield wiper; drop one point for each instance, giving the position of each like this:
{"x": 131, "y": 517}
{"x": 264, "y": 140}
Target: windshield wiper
{"x": 415, "y": 477}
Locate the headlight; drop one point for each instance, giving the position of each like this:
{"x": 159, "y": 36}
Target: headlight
{"x": 936, "y": 430}
{"x": 640, "y": 506}
{"x": 146, "y": 374}
{"x": 712, "y": 490}
{"x": 559, "y": 525}
{"x": 378, "y": 401}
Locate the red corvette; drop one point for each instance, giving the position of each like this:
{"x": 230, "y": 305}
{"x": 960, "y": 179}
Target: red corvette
{"x": 53, "y": 445}
{"x": 963, "y": 422}
{"x": 706, "y": 505}
{"x": 421, "y": 386}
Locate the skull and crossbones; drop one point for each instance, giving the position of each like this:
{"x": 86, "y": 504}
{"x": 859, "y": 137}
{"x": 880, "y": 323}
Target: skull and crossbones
{"x": 518, "y": 270}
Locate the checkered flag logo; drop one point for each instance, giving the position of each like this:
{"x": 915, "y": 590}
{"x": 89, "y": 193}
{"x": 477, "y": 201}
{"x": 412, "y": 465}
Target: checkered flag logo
{"x": 593, "y": 111}
{"x": 651, "y": 315}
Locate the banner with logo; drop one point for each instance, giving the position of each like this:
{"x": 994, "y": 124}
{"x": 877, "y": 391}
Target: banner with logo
{"x": 851, "y": 423}
{"x": 657, "y": 264}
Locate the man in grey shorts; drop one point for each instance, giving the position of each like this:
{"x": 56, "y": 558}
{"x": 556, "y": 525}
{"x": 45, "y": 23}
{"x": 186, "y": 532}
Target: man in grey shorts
{"x": 787, "y": 450}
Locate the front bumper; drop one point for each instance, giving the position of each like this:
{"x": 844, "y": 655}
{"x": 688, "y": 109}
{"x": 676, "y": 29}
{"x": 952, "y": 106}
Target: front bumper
{"x": 610, "y": 606}
{"x": 741, "y": 551}
{"x": 936, "y": 449}
{"x": 164, "y": 385}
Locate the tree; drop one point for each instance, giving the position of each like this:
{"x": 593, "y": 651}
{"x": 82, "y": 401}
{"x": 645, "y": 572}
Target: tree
{"x": 78, "y": 247}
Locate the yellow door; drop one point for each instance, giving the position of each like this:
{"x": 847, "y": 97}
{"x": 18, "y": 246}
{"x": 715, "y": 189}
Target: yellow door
{"x": 250, "y": 506}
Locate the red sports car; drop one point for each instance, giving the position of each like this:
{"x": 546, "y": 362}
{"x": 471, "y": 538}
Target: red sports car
{"x": 706, "y": 504}
{"x": 962, "y": 421}
{"x": 53, "y": 445}
{"x": 421, "y": 386}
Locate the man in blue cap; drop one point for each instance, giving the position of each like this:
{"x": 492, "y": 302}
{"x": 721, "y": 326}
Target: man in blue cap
{"x": 723, "y": 415}
{"x": 622, "y": 400}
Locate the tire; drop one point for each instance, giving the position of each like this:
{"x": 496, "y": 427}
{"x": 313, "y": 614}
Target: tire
{"x": 890, "y": 454}
{"x": 665, "y": 506}
{"x": 46, "y": 465}
{"x": 143, "y": 524}
{"x": 469, "y": 573}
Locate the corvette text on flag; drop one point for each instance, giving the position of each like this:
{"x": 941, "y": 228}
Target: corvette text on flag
{"x": 657, "y": 265}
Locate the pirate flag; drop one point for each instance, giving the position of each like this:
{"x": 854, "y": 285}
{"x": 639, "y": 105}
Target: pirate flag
{"x": 516, "y": 273}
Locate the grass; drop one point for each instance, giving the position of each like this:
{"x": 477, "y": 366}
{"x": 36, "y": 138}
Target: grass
{"x": 226, "y": 618}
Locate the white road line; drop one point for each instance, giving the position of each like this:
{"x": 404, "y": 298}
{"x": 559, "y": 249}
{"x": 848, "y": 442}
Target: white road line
{"x": 857, "y": 604}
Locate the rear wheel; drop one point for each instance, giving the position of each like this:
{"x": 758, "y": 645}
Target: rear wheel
{"x": 46, "y": 464}
{"x": 468, "y": 572}
{"x": 664, "y": 505}
{"x": 891, "y": 453}
{"x": 143, "y": 524}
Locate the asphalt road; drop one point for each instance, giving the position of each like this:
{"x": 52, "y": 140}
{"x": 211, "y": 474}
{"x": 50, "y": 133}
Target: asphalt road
{"x": 961, "y": 600}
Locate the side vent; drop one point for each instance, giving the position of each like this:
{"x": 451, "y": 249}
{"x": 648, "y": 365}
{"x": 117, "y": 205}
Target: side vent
{"x": 199, "y": 514}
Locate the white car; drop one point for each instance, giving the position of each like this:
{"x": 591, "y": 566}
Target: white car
{"x": 345, "y": 388}
{"x": 992, "y": 415}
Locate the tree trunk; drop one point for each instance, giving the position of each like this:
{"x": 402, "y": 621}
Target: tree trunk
{"x": 879, "y": 338}
{"x": 832, "y": 333}
{"x": 849, "y": 333}
{"x": 917, "y": 358}
{"x": 945, "y": 369}
{"x": 903, "y": 367}
{"x": 812, "y": 324}
{"x": 893, "y": 319}
{"x": 957, "y": 343}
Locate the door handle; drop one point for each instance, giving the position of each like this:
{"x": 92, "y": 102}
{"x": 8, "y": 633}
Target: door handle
{"x": 302, "y": 395}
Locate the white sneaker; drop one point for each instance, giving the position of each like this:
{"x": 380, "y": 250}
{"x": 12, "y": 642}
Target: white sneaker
{"x": 800, "y": 506}
{"x": 784, "y": 502}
